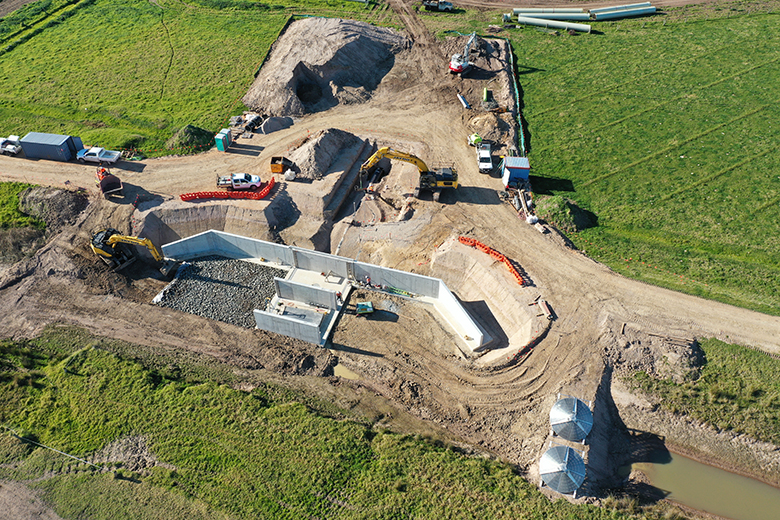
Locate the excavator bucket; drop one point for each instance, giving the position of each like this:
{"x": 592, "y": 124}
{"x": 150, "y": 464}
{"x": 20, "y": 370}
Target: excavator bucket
{"x": 169, "y": 267}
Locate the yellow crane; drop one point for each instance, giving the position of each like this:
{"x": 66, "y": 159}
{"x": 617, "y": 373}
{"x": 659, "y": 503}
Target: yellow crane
{"x": 434, "y": 180}
{"x": 111, "y": 247}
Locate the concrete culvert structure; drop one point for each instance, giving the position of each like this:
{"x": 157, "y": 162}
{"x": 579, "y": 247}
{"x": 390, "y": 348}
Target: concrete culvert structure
{"x": 321, "y": 62}
{"x": 571, "y": 419}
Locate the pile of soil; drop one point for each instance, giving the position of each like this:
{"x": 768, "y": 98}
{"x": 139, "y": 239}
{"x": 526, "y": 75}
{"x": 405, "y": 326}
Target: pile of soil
{"x": 321, "y": 62}
{"x": 54, "y": 206}
{"x": 317, "y": 153}
{"x": 189, "y": 136}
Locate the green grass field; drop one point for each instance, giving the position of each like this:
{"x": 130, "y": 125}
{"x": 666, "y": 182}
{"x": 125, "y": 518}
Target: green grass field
{"x": 737, "y": 390}
{"x": 224, "y": 453}
{"x": 129, "y": 73}
{"x": 667, "y": 132}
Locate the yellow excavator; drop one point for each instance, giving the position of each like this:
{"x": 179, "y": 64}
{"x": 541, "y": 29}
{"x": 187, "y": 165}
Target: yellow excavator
{"x": 434, "y": 180}
{"x": 114, "y": 249}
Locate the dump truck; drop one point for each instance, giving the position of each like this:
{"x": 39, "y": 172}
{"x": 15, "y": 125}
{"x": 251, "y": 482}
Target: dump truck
{"x": 239, "y": 181}
{"x": 96, "y": 154}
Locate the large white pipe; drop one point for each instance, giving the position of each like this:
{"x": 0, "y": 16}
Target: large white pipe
{"x": 520, "y": 10}
{"x": 463, "y": 102}
{"x": 619, "y": 7}
{"x": 542, "y": 22}
{"x": 626, "y": 13}
{"x": 559, "y": 16}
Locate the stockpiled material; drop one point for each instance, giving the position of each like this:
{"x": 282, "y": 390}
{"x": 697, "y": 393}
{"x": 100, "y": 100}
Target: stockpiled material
{"x": 317, "y": 63}
{"x": 222, "y": 289}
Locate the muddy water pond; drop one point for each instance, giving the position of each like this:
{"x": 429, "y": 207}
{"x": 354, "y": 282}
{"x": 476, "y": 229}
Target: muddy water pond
{"x": 713, "y": 490}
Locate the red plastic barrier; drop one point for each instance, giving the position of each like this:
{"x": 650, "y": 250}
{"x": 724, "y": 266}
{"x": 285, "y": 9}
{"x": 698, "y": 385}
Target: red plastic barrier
{"x": 254, "y": 195}
{"x": 495, "y": 254}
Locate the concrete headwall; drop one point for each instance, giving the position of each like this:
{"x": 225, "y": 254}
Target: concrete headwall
{"x": 452, "y": 311}
{"x": 305, "y": 293}
{"x": 288, "y": 326}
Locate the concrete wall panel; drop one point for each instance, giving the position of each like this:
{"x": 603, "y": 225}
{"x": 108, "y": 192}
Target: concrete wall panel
{"x": 201, "y": 244}
{"x": 288, "y": 290}
{"x": 459, "y": 319}
{"x": 321, "y": 262}
{"x": 414, "y": 283}
{"x": 288, "y": 326}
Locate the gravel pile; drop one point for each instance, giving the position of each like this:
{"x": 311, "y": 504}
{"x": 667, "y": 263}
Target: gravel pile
{"x": 222, "y": 289}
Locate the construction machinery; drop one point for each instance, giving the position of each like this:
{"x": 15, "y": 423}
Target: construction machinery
{"x": 109, "y": 184}
{"x": 115, "y": 250}
{"x": 459, "y": 64}
{"x": 433, "y": 180}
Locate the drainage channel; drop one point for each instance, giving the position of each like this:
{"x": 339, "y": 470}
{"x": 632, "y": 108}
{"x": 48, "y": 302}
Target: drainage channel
{"x": 711, "y": 489}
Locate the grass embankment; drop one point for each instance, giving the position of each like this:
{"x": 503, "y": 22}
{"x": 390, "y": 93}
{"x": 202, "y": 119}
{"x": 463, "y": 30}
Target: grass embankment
{"x": 664, "y": 128}
{"x": 227, "y": 453}
{"x": 129, "y": 73}
{"x": 737, "y": 390}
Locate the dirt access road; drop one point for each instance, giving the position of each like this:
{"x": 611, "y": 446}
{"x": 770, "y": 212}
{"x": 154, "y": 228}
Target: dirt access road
{"x": 414, "y": 364}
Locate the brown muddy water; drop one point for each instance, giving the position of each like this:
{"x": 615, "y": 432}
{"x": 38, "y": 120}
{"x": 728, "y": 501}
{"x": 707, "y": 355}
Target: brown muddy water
{"x": 713, "y": 490}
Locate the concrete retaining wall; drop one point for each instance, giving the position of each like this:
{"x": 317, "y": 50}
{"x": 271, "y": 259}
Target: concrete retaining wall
{"x": 305, "y": 293}
{"x": 234, "y": 246}
{"x": 309, "y": 260}
{"x": 229, "y": 245}
{"x": 452, "y": 311}
{"x": 288, "y": 326}
{"x": 413, "y": 283}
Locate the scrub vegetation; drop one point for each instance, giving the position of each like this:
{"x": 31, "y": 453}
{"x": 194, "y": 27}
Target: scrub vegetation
{"x": 737, "y": 390}
{"x": 225, "y": 453}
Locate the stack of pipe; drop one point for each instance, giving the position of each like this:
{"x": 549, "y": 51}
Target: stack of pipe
{"x": 622, "y": 11}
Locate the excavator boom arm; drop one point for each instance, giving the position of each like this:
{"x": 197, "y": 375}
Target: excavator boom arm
{"x": 393, "y": 154}
{"x": 138, "y": 241}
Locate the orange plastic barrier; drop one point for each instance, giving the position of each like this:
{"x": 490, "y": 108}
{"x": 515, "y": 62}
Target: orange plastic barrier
{"x": 495, "y": 254}
{"x": 254, "y": 195}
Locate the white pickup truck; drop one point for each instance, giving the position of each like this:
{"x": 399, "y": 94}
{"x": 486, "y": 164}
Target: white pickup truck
{"x": 437, "y": 5}
{"x": 239, "y": 181}
{"x": 10, "y": 145}
{"x": 97, "y": 154}
{"x": 484, "y": 159}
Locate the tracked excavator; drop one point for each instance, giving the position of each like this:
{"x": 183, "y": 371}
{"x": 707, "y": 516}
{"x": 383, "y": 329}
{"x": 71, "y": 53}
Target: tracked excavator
{"x": 459, "y": 64}
{"x": 114, "y": 249}
{"x": 433, "y": 180}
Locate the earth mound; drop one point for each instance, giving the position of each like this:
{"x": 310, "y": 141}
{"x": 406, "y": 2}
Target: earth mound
{"x": 315, "y": 156}
{"x": 321, "y": 62}
{"x": 189, "y": 135}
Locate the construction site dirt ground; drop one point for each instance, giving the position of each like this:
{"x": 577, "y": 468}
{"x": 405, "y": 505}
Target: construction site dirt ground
{"x": 410, "y": 374}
